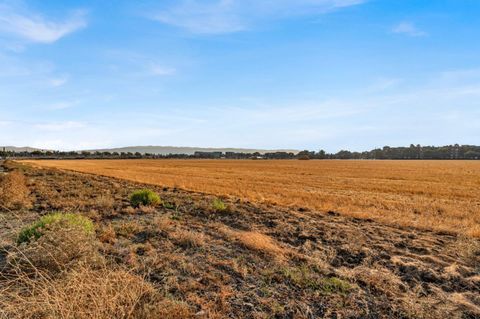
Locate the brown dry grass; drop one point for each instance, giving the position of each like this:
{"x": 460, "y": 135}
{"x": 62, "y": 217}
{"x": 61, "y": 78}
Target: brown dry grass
{"x": 86, "y": 293}
{"x": 58, "y": 250}
{"x": 439, "y": 195}
{"x": 14, "y": 192}
{"x": 256, "y": 241}
{"x": 253, "y": 261}
{"x": 189, "y": 238}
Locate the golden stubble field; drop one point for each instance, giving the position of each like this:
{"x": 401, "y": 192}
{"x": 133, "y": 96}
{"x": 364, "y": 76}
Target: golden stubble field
{"x": 438, "y": 195}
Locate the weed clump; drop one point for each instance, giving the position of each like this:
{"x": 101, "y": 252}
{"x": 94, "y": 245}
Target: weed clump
{"x": 309, "y": 278}
{"x": 14, "y": 192}
{"x": 218, "y": 205}
{"x": 144, "y": 197}
{"x": 68, "y": 221}
{"x": 334, "y": 285}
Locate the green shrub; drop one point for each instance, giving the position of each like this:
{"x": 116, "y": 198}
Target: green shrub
{"x": 144, "y": 197}
{"x": 218, "y": 205}
{"x": 35, "y": 230}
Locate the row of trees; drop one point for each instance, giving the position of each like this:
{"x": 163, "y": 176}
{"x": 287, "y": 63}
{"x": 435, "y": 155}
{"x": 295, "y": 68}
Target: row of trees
{"x": 453, "y": 152}
{"x": 413, "y": 152}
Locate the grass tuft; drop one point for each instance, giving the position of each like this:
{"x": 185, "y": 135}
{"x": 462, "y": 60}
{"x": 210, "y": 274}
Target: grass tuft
{"x": 145, "y": 197}
{"x": 307, "y": 277}
{"x": 218, "y": 205}
{"x": 37, "y": 229}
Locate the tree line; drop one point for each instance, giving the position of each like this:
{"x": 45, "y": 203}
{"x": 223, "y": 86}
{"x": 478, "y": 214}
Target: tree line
{"x": 412, "y": 152}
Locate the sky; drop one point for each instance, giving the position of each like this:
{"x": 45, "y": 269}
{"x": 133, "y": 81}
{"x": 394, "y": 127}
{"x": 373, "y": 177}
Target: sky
{"x": 275, "y": 74}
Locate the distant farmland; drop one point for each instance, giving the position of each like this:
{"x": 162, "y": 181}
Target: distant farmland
{"x": 439, "y": 195}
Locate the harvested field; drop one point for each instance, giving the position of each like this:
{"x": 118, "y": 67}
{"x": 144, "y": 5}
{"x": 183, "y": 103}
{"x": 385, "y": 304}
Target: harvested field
{"x": 186, "y": 258}
{"x": 438, "y": 195}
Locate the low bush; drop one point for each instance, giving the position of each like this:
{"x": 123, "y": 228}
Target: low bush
{"x": 38, "y": 228}
{"x": 144, "y": 197}
{"x": 218, "y": 205}
{"x": 14, "y": 192}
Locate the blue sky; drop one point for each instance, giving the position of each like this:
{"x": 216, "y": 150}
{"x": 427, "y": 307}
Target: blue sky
{"x": 303, "y": 74}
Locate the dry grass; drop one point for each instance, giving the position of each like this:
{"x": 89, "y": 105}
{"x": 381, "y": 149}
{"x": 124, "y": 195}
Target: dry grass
{"x": 86, "y": 293}
{"x": 467, "y": 250}
{"x": 256, "y": 241}
{"x": 14, "y": 192}
{"x": 59, "y": 249}
{"x": 107, "y": 235}
{"x": 440, "y": 195}
{"x": 163, "y": 223}
{"x": 189, "y": 238}
{"x": 105, "y": 202}
{"x": 182, "y": 260}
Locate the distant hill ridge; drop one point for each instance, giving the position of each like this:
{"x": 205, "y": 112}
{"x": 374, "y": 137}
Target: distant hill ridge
{"x": 165, "y": 150}
{"x": 20, "y": 149}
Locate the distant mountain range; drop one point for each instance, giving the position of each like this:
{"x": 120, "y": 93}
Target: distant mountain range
{"x": 165, "y": 150}
{"x": 159, "y": 150}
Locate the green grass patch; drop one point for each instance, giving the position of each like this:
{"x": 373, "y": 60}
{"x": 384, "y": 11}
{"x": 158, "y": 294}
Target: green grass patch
{"x": 307, "y": 278}
{"x": 35, "y": 230}
{"x": 218, "y": 205}
{"x": 334, "y": 285}
{"x": 145, "y": 197}
{"x": 169, "y": 205}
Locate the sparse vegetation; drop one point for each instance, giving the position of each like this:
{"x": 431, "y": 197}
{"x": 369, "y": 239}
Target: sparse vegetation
{"x": 218, "y": 205}
{"x": 189, "y": 239}
{"x": 438, "y": 195}
{"x": 14, "y": 192}
{"x": 86, "y": 293}
{"x": 145, "y": 197}
{"x": 169, "y": 205}
{"x": 105, "y": 202}
{"x": 61, "y": 247}
{"x": 262, "y": 261}
{"x": 334, "y": 285}
{"x": 38, "y": 228}
{"x": 258, "y": 242}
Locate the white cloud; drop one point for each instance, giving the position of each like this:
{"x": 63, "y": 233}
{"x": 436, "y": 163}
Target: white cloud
{"x": 68, "y": 144}
{"x": 62, "y": 105}
{"x": 383, "y": 83}
{"x": 58, "y": 81}
{"x": 36, "y": 28}
{"x": 218, "y": 17}
{"x": 159, "y": 70}
{"x": 227, "y": 16}
{"x": 409, "y": 29}
{"x": 59, "y": 126}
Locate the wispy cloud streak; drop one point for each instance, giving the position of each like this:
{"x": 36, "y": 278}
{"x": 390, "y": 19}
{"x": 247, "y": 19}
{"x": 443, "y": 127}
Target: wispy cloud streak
{"x": 34, "y": 27}
{"x": 409, "y": 29}
{"x": 227, "y": 16}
